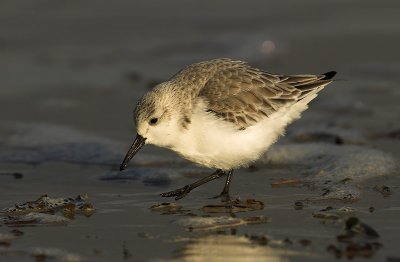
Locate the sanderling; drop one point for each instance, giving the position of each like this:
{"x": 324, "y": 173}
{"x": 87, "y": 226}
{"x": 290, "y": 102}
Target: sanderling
{"x": 221, "y": 114}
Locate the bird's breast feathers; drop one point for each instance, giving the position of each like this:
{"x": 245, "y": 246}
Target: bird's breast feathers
{"x": 212, "y": 142}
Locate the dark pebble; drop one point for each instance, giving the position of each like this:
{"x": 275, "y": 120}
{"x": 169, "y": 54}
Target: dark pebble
{"x": 335, "y": 251}
{"x": 304, "y": 242}
{"x": 18, "y": 175}
{"x": 17, "y": 232}
{"x": 298, "y": 205}
{"x": 288, "y": 241}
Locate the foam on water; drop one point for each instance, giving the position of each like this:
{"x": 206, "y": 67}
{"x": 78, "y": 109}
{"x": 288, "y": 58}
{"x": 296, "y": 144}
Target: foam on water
{"x": 337, "y": 170}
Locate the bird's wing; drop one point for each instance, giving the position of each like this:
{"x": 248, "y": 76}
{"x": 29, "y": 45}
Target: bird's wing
{"x": 244, "y": 95}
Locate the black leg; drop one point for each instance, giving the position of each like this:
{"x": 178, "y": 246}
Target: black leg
{"x": 183, "y": 191}
{"x": 225, "y": 192}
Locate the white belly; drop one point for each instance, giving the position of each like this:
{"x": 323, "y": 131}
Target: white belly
{"x": 214, "y": 143}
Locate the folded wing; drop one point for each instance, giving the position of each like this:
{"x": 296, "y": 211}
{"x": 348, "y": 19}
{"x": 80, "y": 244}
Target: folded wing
{"x": 244, "y": 95}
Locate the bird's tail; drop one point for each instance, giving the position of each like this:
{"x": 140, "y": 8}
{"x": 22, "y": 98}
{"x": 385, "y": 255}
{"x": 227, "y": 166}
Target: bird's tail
{"x": 329, "y": 75}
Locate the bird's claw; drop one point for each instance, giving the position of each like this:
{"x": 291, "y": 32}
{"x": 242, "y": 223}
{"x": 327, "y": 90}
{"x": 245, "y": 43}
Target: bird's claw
{"x": 178, "y": 193}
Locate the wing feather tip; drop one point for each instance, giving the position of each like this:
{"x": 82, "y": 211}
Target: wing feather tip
{"x": 329, "y": 75}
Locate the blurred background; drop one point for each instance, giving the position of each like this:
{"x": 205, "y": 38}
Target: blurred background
{"x": 86, "y": 63}
{"x": 72, "y": 71}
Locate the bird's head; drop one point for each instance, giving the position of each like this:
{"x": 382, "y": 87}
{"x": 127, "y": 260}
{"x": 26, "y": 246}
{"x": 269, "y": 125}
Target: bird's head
{"x": 156, "y": 120}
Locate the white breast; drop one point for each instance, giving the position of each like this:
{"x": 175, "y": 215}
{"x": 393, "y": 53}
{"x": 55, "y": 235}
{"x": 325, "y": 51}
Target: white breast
{"x": 215, "y": 143}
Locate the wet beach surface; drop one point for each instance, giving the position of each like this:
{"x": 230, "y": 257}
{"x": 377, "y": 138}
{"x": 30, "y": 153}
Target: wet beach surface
{"x": 72, "y": 72}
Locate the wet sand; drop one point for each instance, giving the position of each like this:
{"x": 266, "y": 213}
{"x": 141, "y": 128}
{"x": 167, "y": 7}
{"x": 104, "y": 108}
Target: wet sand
{"x": 72, "y": 72}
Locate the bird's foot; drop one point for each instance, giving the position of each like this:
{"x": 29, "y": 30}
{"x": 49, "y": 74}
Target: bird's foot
{"x": 225, "y": 197}
{"x": 178, "y": 193}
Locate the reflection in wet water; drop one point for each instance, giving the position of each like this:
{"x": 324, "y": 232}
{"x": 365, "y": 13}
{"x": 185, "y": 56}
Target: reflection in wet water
{"x": 359, "y": 240}
{"x": 234, "y": 206}
{"x": 218, "y": 222}
{"x": 232, "y": 248}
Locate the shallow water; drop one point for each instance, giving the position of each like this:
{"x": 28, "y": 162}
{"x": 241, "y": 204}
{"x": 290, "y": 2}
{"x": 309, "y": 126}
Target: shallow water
{"x": 71, "y": 73}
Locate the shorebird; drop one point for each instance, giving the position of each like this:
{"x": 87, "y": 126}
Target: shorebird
{"x": 221, "y": 114}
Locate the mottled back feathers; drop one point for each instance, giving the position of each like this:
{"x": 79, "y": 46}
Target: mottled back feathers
{"x": 230, "y": 90}
{"x": 243, "y": 95}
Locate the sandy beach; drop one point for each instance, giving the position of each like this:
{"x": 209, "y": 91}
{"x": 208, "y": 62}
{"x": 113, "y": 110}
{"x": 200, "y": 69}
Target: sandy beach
{"x": 72, "y": 72}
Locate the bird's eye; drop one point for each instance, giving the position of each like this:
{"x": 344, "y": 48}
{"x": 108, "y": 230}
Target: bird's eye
{"x": 153, "y": 121}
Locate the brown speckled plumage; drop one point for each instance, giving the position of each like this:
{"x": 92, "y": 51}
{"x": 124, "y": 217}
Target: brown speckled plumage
{"x": 234, "y": 91}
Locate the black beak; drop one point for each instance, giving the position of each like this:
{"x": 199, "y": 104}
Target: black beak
{"x": 135, "y": 147}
